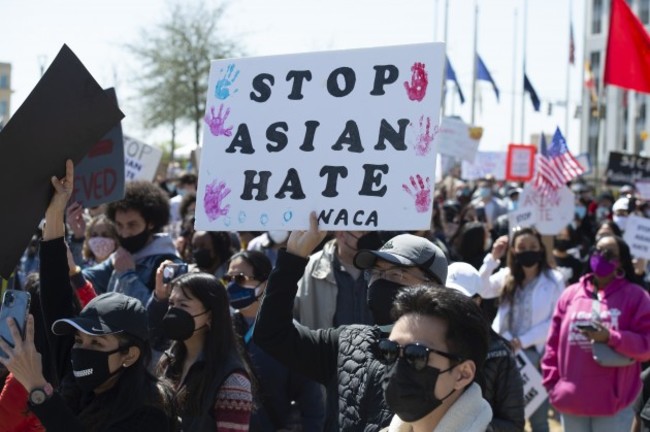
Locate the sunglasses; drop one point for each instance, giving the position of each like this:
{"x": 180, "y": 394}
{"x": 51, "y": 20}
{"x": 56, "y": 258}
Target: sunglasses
{"x": 238, "y": 278}
{"x": 606, "y": 253}
{"x": 415, "y": 355}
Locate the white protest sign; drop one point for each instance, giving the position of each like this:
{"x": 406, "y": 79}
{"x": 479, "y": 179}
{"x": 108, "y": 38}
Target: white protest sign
{"x": 523, "y": 217}
{"x": 453, "y": 139}
{"x": 555, "y": 208}
{"x": 485, "y": 163}
{"x": 534, "y": 391}
{"x": 643, "y": 189}
{"x": 141, "y": 160}
{"x": 347, "y": 134}
{"x": 637, "y": 236}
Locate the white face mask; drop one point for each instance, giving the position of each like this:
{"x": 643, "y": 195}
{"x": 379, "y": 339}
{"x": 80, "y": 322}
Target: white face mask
{"x": 278, "y": 237}
{"x": 101, "y": 247}
{"x": 621, "y": 221}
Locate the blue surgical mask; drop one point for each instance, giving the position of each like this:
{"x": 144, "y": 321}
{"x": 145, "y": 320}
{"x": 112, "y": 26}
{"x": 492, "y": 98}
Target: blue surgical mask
{"x": 240, "y": 297}
{"x": 513, "y": 205}
{"x": 581, "y": 212}
{"x": 484, "y": 192}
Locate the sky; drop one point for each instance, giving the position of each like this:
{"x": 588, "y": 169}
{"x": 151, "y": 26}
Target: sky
{"x": 33, "y": 31}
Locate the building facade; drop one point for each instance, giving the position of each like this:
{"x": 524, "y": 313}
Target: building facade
{"x": 622, "y": 123}
{"x": 5, "y": 92}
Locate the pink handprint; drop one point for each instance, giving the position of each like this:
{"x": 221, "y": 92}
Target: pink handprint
{"x": 421, "y": 192}
{"x": 425, "y": 138}
{"x": 419, "y": 81}
{"x": 217, "y": 123}
{"x": 215, "y": 193}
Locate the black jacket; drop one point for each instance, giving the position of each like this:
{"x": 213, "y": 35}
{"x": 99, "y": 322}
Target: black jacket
{"x": 337, "y": 357}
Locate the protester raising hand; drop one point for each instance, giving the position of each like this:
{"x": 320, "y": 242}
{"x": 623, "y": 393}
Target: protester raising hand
{"x": 76, "y": 221}
{"x": 23, "y": 360}
{"x": 500, "y": 247}
{"x": 63, "y": 187}
{"x": 303, "y": 243}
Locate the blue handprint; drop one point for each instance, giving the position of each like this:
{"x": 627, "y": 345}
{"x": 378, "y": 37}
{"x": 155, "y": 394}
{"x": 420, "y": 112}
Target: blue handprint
{"x": 222, "y": 90}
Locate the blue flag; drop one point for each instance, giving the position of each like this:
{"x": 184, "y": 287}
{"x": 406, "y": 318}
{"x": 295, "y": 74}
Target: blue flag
{"x": 528, "y": 87}
{"x": 483, "y": 74}
{"x": 451, "y": 76}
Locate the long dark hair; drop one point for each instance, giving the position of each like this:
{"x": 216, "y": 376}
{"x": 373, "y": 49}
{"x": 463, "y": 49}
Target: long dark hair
{"x": 220, "y": 342}
{"x": 516, "y": 276}
{"x": 135, "y": 388}
{"x": 259, "y": 262}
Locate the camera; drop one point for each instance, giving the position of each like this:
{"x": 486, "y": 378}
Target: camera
{"x": 9, "y": 299}
{"x": 172, "y": 271}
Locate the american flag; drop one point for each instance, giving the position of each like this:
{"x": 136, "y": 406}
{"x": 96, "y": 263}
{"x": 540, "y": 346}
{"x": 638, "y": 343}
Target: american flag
{"x": 555, "y": 165}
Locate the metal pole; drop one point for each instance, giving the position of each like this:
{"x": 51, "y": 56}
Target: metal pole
{"x": 523, "y": 94}
{"x": 514, "y": 81}
{"x": 568, "y": 76}
{"x": 475, "y": 60}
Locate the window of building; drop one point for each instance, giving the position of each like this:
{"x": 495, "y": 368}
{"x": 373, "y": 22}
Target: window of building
{"x": 594, "y": 62}
{"x": 597, "y": 17}
{"x": 644, "y": 11}
{"x": 4, "y": 81}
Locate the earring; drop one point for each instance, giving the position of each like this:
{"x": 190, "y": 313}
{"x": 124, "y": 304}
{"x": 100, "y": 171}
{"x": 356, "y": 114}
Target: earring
{"x": 124, "y": 364}
{"x": 620, "y": 273}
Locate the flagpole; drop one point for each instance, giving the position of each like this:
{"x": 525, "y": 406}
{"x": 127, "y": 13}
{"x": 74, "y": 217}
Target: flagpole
{"x": 523, "y": 96}
{"x": 568, "y": 74}
{"x": 514, "y": 81}
{"x": 444, "y": 79}
{"x": 474, "y": 61}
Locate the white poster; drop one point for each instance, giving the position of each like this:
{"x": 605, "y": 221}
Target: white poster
{"x": 453, "y": 139}
{"x": 534, "y": 391}
{"x": 141, "y": 160}
{"x": 637, "y": 236}
{"x": 347, "y": 134}
{"x": 555, "y": 208}
{"x": 493, "y": 163}
{"x": 523, "y": 217}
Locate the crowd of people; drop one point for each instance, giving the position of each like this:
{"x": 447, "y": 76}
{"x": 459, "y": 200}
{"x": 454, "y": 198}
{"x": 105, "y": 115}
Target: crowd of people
{"x": 138, "y": 322}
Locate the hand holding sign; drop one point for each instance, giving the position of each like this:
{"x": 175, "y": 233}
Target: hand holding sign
{"x": 74, "y": 217}
{"x": 303, "y": 243}
{"x": 499, "y": 247}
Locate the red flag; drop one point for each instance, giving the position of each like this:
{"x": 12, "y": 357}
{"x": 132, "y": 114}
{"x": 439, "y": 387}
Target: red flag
{"x": 628, "y": 50}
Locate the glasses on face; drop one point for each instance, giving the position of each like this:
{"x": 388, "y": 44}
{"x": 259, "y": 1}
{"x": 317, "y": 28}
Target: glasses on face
{"x": 394, "y": 274}
{"x": 415, "y": 355}
{"x": 608, "y": 254}
{"x": 240, "y": 278}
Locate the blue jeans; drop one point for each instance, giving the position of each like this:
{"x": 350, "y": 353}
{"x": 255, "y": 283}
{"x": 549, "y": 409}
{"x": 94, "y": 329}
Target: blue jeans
{"x": 621, "y": 421}
{"x": 539, "y": 419}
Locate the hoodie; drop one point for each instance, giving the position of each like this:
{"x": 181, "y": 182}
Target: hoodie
{"x": 136, "y": 283}
{"x": 570, "y": 374}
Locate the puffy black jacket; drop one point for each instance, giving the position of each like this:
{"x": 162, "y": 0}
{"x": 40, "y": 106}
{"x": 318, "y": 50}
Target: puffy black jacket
{"x": 503, "y": 387}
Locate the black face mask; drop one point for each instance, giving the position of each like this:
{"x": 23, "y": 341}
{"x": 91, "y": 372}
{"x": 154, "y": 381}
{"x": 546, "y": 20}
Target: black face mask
{"x": 134, "y": 243}
{"x": 90, "y": 367}
{"x": 370, "y": 241}
{"x": 381, "y": 294}
{"x": 562, "y": 245}
{"x": 410, "y": 393}
{"x": 178, "y": 324}
{"x": 203, "y": 258}
{"x": 528, "y": 258}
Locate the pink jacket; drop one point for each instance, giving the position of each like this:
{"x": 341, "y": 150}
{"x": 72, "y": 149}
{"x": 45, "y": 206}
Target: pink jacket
{"x": 575, "y": 382}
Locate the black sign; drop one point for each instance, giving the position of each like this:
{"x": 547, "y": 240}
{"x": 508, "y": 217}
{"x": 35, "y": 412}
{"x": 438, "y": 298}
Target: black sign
{"x": 626, "y": 169}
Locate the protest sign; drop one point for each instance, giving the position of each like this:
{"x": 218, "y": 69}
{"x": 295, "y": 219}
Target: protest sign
{"x": 99, "y": 177}
{"x": 534, "y": 391}
{"x": 453, "y": 139}
{"x": 555, "y": 208}
{"x": 643, "y": 189}
{"x": 523, "y": 217}
{"x": 625, "y": 169}
{"x": 140, "y": 160}
{"x": 347, "y": 134}
{"x": 637, "y": 236}
{"x": 493, "y": 163}
{"x": 62, "y": 118}
{"x": 520, "y": 162}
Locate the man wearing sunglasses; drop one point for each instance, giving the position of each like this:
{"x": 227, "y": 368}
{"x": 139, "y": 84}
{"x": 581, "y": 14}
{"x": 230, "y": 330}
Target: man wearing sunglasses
{"x": 344, "y": 359}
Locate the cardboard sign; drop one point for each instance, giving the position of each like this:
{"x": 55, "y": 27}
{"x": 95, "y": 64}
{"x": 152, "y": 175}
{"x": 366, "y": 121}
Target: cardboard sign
{"x": 637, "y": 236}
{"x": 140, "y": 160}
{"x": 485, "y": 163}
{"x": 625, "y": 169}
{"x": 520, "y": 163}
{"x": 347, "y": 134}
{"x": 453, "y": 139}
{"x": 99, "y": 177}
{"x": 62, "y": 118}
{"x": 555, "y": 209}
{"x": 534, "y": 391}
{"x": 523, "y": 217}
{"x": 643, "y": 189}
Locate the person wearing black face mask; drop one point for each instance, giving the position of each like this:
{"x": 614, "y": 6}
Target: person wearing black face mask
{"x": 211, "y": 251}
{"x": 527, "y": 290}
{"x": 429, "y": 380}
{"x": 565, "y": 263}
{"x": 339, "y": 356}
{"x": 139, "y": 219}
{"x": 333, "y": 291}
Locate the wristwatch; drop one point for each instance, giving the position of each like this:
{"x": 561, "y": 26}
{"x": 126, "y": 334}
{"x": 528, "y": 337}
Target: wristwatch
{"x": 40, "y": 394}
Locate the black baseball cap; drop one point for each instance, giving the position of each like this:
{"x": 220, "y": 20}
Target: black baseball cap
{"x": 109, "y": 313}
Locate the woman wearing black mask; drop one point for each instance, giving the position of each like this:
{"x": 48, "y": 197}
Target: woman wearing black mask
{"x": 566, "y": 263}
{"x": 211, "y": 251}
{"x": 205, "y": 363}
{"x": 527, "y": 290}
{"x": 285, "y": 397}
{"x": 99, "y": 358}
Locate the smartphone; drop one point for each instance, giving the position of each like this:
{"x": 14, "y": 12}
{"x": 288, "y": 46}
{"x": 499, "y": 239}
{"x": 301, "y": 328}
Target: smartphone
{"x": 172, "y": 271}
{"x": 15, "y": 304}
{"x": 480, "y": 214}
{"x": 587, "y": 327}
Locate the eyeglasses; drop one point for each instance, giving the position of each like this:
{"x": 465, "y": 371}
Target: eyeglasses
{"x": 415, "y": 355}
{"x": 608, "y": 254}
{"x": 240, "y": 278}
{"x": 395, "y": 274}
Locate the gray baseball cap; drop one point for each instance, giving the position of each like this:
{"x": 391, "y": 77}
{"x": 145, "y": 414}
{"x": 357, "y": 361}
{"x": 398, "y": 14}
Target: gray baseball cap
{"x": 407, "y": 250}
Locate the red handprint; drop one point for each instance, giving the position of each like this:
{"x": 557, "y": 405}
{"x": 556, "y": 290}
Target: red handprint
{"x": 215, "y": 193}
{"x": 419, "y": 81}
{"x": 425, "y": 138}
{"x": 217, "y": 123}
{"x": 421, "y": 192}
